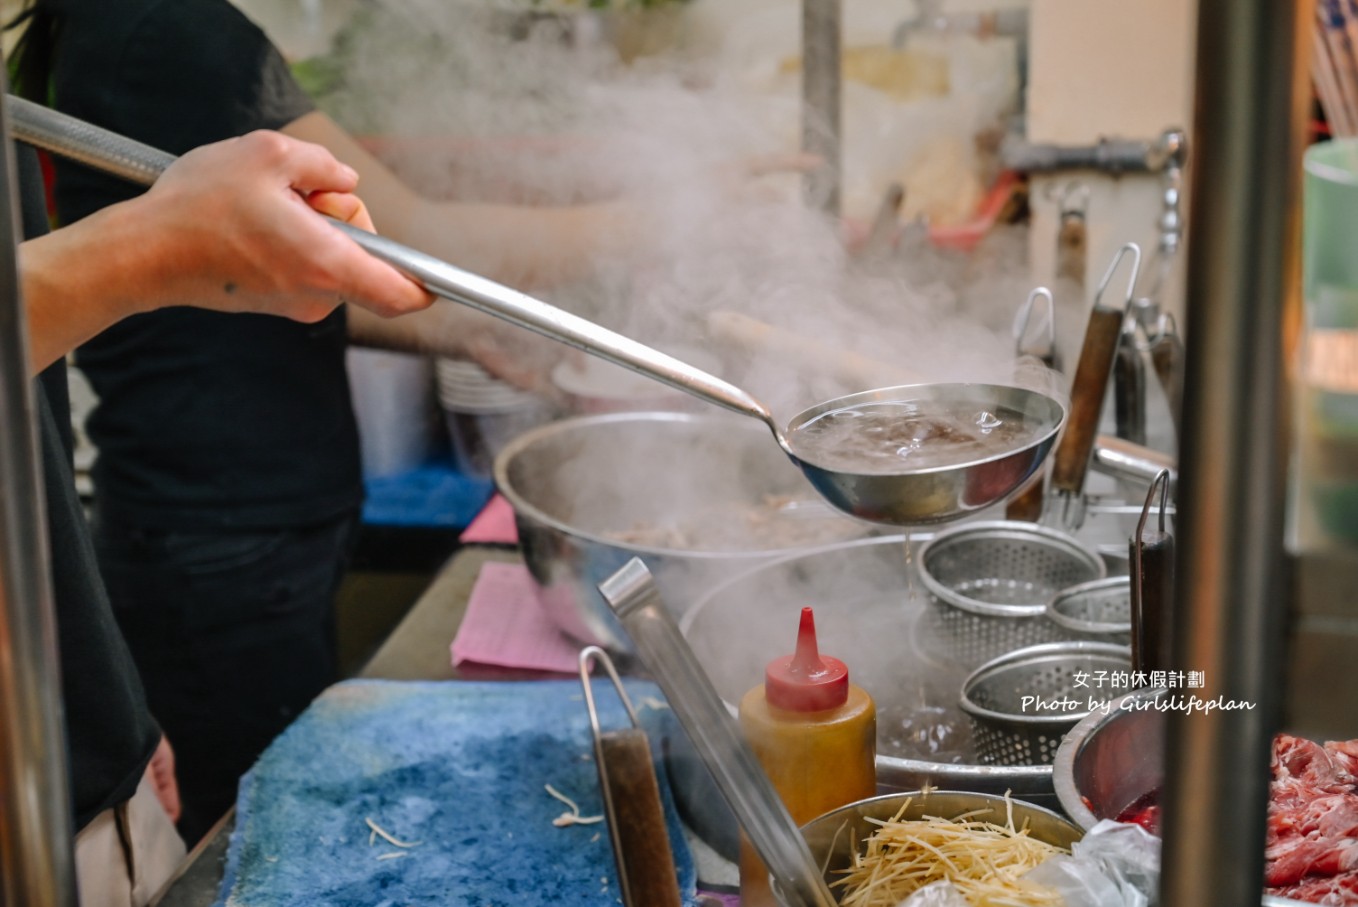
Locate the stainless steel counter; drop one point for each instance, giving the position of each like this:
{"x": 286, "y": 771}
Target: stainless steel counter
{"x": 416, "y": 650}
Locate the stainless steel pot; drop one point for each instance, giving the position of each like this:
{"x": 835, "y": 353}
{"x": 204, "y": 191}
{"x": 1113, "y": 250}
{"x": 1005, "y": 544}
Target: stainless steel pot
{"x": 874, "y": 613}
{"x": 697, "y": 497}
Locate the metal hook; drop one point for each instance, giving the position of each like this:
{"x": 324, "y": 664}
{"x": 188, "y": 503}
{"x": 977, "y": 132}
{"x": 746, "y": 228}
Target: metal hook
{"x": 1024, "y": 314}
{"x": 1116, "y": 260}
{"x": 1162, "y": 480}
{"x": 587, "y": 656}
{"x": 1165, "y": 326}
{"x": 1074, "y": 200}
{"x": 1071, "y": 197}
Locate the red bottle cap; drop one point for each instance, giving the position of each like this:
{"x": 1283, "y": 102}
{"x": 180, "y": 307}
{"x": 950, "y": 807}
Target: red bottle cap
{"x": 806, "y": 681}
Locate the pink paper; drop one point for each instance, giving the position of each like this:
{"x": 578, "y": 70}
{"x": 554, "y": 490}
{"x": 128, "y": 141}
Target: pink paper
{"x": 494, "y": 525}
{"x": 506, "y": 626}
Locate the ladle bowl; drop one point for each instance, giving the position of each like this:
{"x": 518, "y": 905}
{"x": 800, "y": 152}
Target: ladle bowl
{"x": 936, "y": 494}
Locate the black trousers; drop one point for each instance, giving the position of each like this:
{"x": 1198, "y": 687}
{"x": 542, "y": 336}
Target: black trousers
{"x": 233, "y": 633}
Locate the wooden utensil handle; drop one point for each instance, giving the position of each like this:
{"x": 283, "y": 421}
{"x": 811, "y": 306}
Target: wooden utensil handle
{"x": 1167, "y": 356}
{"x": 641, "y": 843}
{"x": 1071, "y": 461}
{"x": 1026, "y": 505}
{"x": 1152, "y": 601}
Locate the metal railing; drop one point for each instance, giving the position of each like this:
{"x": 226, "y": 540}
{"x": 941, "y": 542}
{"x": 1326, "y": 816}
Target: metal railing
{"x": 36, "y": 864}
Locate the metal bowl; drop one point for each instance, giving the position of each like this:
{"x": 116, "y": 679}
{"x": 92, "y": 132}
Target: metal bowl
{"x": 940, "y": 493}
{"x": 834, "y": 837}
{"x": 1112, "y": 759}
{"x": 697, "y": 497}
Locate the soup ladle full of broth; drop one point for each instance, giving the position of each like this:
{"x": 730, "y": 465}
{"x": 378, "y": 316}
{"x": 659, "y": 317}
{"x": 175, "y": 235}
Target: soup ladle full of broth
{"x": 904, "y": 456}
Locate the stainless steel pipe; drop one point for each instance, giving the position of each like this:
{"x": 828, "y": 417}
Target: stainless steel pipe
{"x": 1122, "y": 459}
{"x": 36, "y": 865}
{"x": 822, "y": 77}
{"x": 1243, "y": 283}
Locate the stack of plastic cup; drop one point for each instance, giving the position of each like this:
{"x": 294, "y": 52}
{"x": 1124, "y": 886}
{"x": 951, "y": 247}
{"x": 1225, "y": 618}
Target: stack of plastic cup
{"x": 484, "y": 413}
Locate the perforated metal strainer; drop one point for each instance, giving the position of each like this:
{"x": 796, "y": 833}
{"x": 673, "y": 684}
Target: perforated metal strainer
{"x": 991, "y": 582}
{"x": 1100, "y": 610}
{"x": 1022, "y": 704}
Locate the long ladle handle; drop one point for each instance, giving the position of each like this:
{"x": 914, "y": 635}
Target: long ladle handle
{"x": 135, "y": 162}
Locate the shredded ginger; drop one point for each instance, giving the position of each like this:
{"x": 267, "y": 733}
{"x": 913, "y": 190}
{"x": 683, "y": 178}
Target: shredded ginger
{"x": 984, "y": 861}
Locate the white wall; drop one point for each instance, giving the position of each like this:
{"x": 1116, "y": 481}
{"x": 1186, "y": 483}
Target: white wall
{"x": 1101, "y": 68}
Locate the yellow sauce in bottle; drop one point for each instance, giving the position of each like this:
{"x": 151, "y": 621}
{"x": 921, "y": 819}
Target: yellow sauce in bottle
{"x": 815, "y": 734}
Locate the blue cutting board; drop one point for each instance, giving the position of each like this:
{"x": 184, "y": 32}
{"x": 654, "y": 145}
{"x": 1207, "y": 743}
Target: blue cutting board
{"x": 459, "y": 770}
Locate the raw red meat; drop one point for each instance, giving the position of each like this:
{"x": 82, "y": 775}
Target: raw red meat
{"x": 1312, "y": 849}
{"x": 1145, "y": 811}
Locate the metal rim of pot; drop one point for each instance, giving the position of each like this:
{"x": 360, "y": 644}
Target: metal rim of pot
{"x": 520, "y": 504}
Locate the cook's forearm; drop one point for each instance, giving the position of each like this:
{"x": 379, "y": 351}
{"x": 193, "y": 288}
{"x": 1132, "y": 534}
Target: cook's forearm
{"x": 78, "y": 281}
{"x": 522, "y": 246}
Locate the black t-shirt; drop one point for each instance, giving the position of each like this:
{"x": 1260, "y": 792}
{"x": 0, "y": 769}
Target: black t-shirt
{"x": 109, "y": 732}
{"x": 205, "y": 419}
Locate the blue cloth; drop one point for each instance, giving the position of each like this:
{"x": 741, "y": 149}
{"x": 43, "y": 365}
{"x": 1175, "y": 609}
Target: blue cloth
{"x": 456, "y": 768}
{"x": 434, "y": 495}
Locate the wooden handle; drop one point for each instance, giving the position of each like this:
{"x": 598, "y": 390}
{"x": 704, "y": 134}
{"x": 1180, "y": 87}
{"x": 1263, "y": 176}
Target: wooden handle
{"x": 1129, "y": 393}
{"x": 1026, "y": 506}
{"x": 1167, "y": 356}
{"x": 1070, "y": 464}
{"x": 1070, "y": 249}
{"x": 1152, "y": 601}
{"x": 641, "y": 844}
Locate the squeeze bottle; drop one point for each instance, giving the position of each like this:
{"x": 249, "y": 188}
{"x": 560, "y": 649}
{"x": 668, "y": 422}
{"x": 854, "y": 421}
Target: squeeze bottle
{"x": 815, "y": 734}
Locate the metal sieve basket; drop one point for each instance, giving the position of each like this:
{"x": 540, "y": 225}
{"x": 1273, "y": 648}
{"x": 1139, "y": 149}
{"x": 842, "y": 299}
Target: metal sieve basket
{"x": 1022, "y": 704}
{"x": 990, "y": 584}
{"x": 1100, "y": 610}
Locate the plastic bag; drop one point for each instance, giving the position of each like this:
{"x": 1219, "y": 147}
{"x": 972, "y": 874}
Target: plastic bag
{"x": 936, "y": 894}
{"x": 1116, "y": 864}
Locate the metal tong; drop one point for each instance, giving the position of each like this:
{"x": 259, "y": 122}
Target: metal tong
{"x": 632, "y": 594}
{"x": 631, "y": 795}
{"x": 1152, "y": 588}
{"x": 1070, "y": 464}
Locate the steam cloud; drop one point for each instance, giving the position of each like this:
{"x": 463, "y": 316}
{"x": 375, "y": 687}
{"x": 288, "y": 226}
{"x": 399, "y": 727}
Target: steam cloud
{"x": 492, "y": 104}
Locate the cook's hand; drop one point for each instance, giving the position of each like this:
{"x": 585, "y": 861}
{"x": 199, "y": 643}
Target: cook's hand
{"x": 237, "y": 229}
{"x": 161, "y": 773}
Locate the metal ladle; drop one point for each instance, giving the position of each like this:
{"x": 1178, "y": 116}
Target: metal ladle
{"x": 920, "y": 496}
